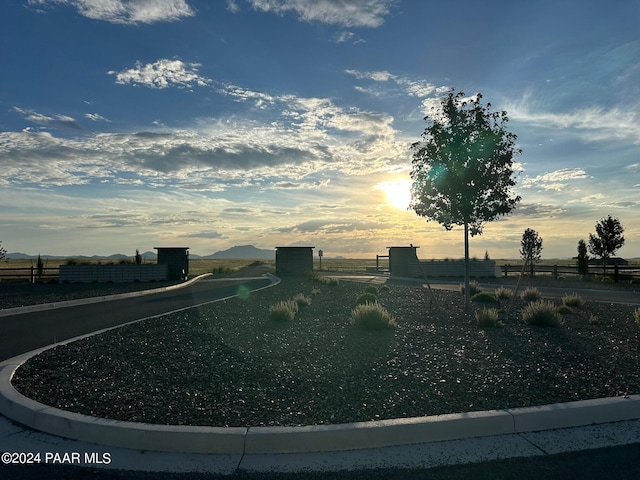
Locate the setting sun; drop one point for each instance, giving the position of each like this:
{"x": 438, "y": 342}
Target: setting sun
{"x": 398, "y": 193}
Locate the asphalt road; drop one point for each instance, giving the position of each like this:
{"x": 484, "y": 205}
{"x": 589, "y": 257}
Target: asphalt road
{"x": 28, "y": 331}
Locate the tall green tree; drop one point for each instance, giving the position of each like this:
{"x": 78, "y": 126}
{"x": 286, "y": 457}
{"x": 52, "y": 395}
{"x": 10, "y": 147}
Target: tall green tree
{"x": 462, "y": 169}
{"x": 583, "y": 258}
{"x": 531, "y": 248}
{"x": 607, "y": 240}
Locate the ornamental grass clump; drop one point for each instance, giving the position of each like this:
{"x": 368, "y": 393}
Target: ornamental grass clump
{"x": 302, "y": 300}
{"x": 474, "y": 287}
{"x": 503, "y": 293}
{"x": 372, "y": 316}
{"x": 366, "y": 297}
{"x": 488, "y": 318}
{"x": 484, "y": 297}
{"x": 541, "y": 313}
{"x": 572, "y": 300}
{"x": 531, "y": 294}
{"x": 636, "y": 315}
{"x": 284, "y": 311}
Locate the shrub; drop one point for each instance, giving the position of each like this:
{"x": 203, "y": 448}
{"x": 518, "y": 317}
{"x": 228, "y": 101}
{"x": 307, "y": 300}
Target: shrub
{"x": 366, "y": 298}
{"x": 484, "y": 297}
{"x": 564, "y": 309}
{"x": 503, "y": 293}
{"x": 302, "y": 300}
{"x": 372, "y": 316}
{"x": 541, "y": 313}
{"x": 315, "y": 291}
{"x": 636, "y": 315}
{"x": 384, "y": 289}
{"x": 572, "y": 300}
{"x": 283, "y": 311}
{"x": 593, "y": 319}
{"x": 371, "y": 289}
{"x": 488, "y": 317}
{"x": 531, "y": 294}
{"x": 474, "y": 287}
{"x": 332, "y": 282}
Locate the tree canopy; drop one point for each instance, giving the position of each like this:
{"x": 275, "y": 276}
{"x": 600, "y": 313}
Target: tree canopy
{"x": 462, "y": 170}
{"x": 607, "y": 240}
{"x": 531, "y": 247}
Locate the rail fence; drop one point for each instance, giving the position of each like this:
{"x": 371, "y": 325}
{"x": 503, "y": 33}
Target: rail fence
{"x": 617, "y": 273}
{"x": 30, "y": 273}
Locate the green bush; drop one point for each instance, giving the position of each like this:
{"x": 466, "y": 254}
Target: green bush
{"x": 371, "y": 289}
{"x": 531, "y": 294}
{"x": 366, "y": 298}
{"x": 484, "y": 297}
{"x": 474, "y": 287}
{"x": 488, "y": 317}
{"x": 384, "y": 289}
{"x": 302, "y": 300}
{"x": 572, "y": 300}
{"x": 284, "y": 311}
{"x": 372, "y": 316}
{"x": 541, "y": 313}
{"x": 503, "y": 293}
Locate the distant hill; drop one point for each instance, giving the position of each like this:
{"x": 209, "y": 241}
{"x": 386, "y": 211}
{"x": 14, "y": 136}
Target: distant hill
{"x": 241, "y": 251}
{"x": 244, "y": 251}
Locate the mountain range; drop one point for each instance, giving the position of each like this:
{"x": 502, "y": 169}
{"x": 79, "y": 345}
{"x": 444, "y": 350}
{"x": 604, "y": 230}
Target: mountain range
{"x": 238, "y": 251}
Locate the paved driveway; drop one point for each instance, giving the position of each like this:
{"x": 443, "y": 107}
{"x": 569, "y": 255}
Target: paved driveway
{"x": 30, "y": 330}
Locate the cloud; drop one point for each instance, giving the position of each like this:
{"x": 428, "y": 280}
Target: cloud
{"x": 57, "y": 121}
{"x": 556, "y": 180}
{"x": 208, "y": 234}
{"x": 96, "y": 117}
{"x": 354, "y": 13}
{"x": 344, "y": 37}
{"x": 128, "y": 12}
{"x": 162, "y": 74}
{"x": 409, "y": 87}
{"x": 591, "y": 124}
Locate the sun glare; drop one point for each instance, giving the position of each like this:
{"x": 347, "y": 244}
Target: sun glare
{"x": 398, "y": 193}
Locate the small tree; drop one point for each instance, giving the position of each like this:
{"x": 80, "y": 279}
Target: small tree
{"x": 607, "y": 240}
{"x": 583, "y": 258}
{"x": 138, "y": 258}
{"x": 531, "y": 247}
{"x": 462, "y": 170}
{"x": 40, "y": 266}
{"x": 3, "y": 252}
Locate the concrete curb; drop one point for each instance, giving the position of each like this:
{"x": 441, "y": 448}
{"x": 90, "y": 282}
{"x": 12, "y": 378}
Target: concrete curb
{"x": 89, "y": 300}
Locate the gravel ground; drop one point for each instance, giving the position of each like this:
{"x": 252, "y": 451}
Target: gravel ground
{"x": 227, "y": 364}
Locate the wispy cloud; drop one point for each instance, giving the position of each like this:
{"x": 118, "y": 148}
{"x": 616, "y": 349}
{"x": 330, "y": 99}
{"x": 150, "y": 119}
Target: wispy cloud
{"x": 47, "y": 120}
{"x": 593, "y": 123}
{"x": 354, "y": 13}
{"x": 347, "y": 37}
{"x": 163, "y": 73}
{"x": 556, "y": 180}
{"x": 123, "y": 11}
{"x": 96, "y": 117}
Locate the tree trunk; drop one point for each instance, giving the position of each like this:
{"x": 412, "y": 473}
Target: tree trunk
{"x": 467, "y": 288}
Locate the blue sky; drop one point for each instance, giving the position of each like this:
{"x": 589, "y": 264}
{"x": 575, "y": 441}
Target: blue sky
{"x": 126, "y": 125}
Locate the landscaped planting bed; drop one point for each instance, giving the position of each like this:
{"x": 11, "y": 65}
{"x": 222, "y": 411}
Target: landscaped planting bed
{"x": 229, "y": 364}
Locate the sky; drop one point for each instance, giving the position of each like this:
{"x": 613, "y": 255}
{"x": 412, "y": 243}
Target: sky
{"x": 129, "y": 125}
